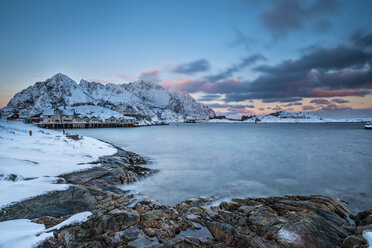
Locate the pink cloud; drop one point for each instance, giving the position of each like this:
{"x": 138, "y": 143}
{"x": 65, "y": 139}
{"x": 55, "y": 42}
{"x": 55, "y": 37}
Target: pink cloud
{"x": 126, "y": 76}
{"x": 99, "y": 80}
{"x": 308, "y": 107}
{"x": 321, "y": 92}
{"x": 320, "y": 101}
{"x": 339, "y": 100}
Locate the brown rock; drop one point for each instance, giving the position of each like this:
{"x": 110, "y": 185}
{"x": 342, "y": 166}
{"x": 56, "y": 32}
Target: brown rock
{"x": 353, "y": 241}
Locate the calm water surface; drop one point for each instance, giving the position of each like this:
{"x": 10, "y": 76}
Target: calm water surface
{"x": 241, "y": 160}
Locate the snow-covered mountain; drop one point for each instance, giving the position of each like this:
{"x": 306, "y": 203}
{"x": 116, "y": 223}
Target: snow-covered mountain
{"x": 143, "y": 97}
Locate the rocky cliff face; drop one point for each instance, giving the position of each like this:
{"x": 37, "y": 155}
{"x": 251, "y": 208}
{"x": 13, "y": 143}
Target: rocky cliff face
{"x": 146, "y": 98}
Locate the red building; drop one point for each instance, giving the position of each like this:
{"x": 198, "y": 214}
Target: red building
{"x": 12, "y": 117}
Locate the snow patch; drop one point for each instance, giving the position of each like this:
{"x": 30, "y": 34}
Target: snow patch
{"x": 73, "y": 220}
{"x": 21, "y": 233}
{"x": 368, "y": 236}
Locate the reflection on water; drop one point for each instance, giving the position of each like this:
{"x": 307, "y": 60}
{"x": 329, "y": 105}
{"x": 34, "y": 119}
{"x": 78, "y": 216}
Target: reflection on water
{"x": 237, "y": 160}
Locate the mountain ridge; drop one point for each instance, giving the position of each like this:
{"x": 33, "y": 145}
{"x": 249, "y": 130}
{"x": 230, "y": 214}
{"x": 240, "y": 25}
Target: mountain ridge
{"x": 144, "y": 97}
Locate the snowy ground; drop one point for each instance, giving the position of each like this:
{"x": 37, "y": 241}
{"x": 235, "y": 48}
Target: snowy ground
{"x": 23, "y": 233}
{"x": 29, "y": 164}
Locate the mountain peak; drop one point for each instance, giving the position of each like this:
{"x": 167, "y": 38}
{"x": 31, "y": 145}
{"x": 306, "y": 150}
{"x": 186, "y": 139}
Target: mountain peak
{"x": 61, "y": 77}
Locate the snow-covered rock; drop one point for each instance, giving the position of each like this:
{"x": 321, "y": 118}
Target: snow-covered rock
{"x": 144, "y": 97}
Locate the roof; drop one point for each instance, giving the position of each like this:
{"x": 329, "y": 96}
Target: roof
{"x": 48, "y": 112}
{"x": 67, "y": 111}
{"x": 128, "y": 118}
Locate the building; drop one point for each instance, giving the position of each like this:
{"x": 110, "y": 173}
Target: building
{"x": 68, "y": 118}
{"x": 127, "y": 121}
{"x": 112, "y": 121}
{"x": 58, "y": 118}
{"x": 12, "y": 117}
{"x": 128, "y": 111}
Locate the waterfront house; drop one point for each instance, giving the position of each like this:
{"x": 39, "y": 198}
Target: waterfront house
{"x": 127, "y": 121}
{"x": 58, "y": 118}
{"x": 12, "y": 117}
{"x": 111, "y": 121}
{"x": 77, "y": 122}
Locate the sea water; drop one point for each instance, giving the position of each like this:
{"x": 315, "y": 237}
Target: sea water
{"x": 250, "y": 160}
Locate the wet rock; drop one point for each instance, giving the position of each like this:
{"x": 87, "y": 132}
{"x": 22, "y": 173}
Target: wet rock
{"x": 221, "y": 231}
{"x": 230, "y": 205}
{"x": 364, "y": 218}
{"x": 56, "y": 204}
{"x": 107, "y": 175}
{"x": 131, "y": 234}
{"x": 353, "y": 241}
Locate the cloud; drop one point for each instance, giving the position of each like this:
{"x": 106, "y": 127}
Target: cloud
{"x": 339, "y": 100}
{"x": 225, "y": 105}
{"x": 320, "y": 101}
{"x": 193, "y": 85}
{"x": 325, "y": 72}
{"x": 319, "y": 72}
{"x": 335, "y": 107}
{"x": 99, "y": 80}
{"x": 209, "y": 97}
{"x": 308, "y": 107}
{"x": 284, "y": 16}
{"x": 241, "y": 39}
{"x": 228, "y": 72}
{"x": 362, "y": 39}
{"x": 126, "y": 76}
{"x": 200, "y": 65}
{"x": 291, "y": 99}
{"x": 292, "y": 104}
{"x": 150, "y": 75}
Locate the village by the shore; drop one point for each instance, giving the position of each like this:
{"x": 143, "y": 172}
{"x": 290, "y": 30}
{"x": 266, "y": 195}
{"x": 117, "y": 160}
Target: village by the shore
{"x": 68, "y": 117}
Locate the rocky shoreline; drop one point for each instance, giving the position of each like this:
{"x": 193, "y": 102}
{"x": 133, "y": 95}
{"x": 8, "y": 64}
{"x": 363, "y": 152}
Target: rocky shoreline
{"x": 118, "y": 220}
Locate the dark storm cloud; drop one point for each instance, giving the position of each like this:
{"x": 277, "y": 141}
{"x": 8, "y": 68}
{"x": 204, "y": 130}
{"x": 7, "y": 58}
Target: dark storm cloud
{"x": 228, "y": 72}
{"x": 332, "y": 72}
{"x": 284, "y": 16}
{"x": 362, "y": 39}
{"x": 291, "y": 99}
{"x": 200, "y": 65}
{"x": 225, "y": 105}
{"x": 335, "y": 58}
{"x": 318, "y": 73}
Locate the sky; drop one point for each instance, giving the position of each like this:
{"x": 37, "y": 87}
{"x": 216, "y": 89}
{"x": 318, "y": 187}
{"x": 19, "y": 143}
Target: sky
{"x": 241, "y": 57}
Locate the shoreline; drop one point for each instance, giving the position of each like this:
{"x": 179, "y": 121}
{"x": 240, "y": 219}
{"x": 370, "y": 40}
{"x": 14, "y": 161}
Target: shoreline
{"x": 118, "y": 219}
